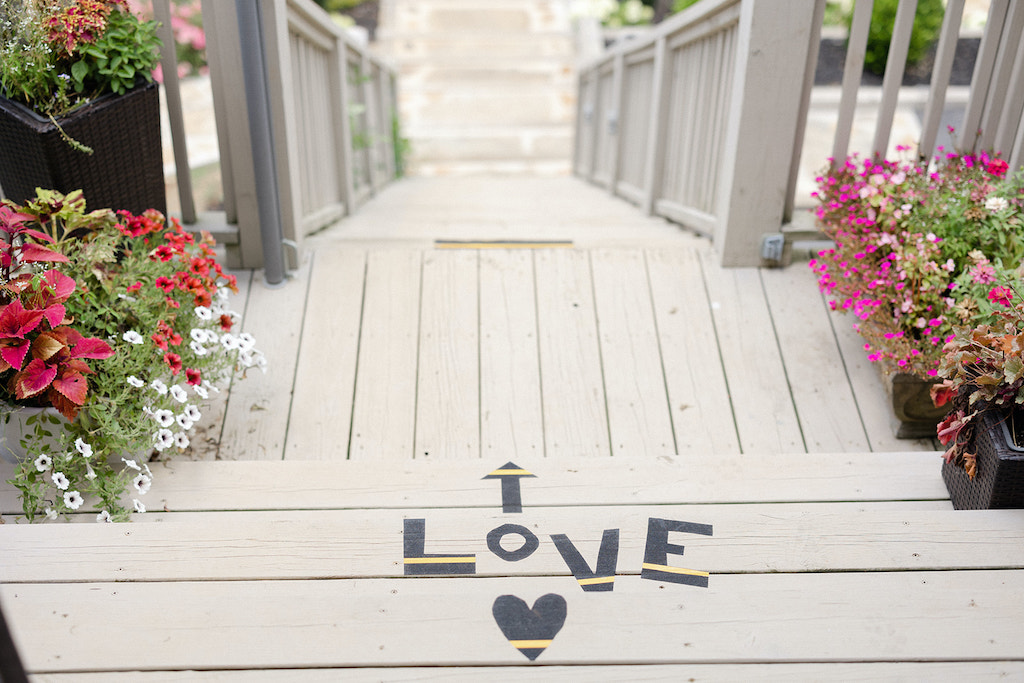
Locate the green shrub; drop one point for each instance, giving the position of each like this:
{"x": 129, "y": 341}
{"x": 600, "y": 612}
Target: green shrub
{"x": 927, "y": 23}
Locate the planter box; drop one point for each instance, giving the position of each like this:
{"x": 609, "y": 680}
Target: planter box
{"x": 916, "y": 415}
{"x": 125, "y": 170}
{"x": 999, "y": 481}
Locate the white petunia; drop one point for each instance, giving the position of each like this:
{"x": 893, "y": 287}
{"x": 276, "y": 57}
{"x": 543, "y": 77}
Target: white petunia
{"x": 192, "y": 412}
{"x": 163, "y": 439}
{"x": 139, "y": 507}
{"x": 184, "y": 422}
{"x": 135, "y": 381}
{"x": 73, "y": 499}
{"x": 90, "y": 474}
{"x": 132, "y": 337}
{"x": 43, "y": 462}
{"x": 198, "y": 334}
{"x": 210, "y": 387}
{"x": 50, "y": 513}
{"x": 197, "y": 348}
{"x": 229, "y": 342}
{"x": 60, "y": 481}
{"x": 247, "y": 341}
{"x": 159, "y": 387}
{"x": 203, "y": 313}
{"x": 104, "y": 517}
{"x": 164, "y": 417}
{"x": 132, "y": 464}
{"x": 246, "y": 358}
{"x": 996, "y": 204}
{"x": 142, "y": 483}
{"x": 179, "y": 394}
{"x": 181, "y": 440}
{"x": 201, "y": 391}
{"x": 83, "y": 448}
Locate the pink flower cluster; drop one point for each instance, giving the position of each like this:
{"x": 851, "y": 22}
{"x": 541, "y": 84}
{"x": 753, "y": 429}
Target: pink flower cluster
{"x": 905, "y": 262}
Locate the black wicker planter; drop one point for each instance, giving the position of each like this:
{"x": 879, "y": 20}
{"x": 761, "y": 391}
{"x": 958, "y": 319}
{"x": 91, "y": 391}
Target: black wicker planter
{"x": 125, "y": 170}
{"x": 999, "y": 481}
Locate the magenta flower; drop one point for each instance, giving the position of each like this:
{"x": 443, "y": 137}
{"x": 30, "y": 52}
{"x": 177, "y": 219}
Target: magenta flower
{"x": 1001, "y": 295}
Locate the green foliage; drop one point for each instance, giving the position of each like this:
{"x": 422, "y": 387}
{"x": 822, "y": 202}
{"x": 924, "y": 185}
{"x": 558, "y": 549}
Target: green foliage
{"x": 927, "y": 23}
{"x": 680, "y": 5}
{"x": 51, "y": 64}
{"x": 401, "y": 145}
{"x": 339, "y": 5}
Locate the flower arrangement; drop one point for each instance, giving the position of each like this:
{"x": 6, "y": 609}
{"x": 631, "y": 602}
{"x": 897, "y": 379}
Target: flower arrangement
{"x": 984, "y": 371}
{"x": 189, "y": 36}
{"x": 119, "y": 323}
{"x": 56, "y": 55}
{"x": 919, "y": 249}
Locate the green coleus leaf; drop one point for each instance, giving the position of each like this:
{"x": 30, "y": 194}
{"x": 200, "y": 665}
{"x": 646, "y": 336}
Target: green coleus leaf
{"x": 79, "y": 70}
{"x": 1013, "y": 369}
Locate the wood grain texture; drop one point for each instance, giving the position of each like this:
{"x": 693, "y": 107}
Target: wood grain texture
{"x": 575, "y": 412}
{"x": 321, "y": 414}
{"x": 383, "y": 420}
{"x": 511, "y": 418}
{"x": 766, "y": 418}
{"x": 748, "y": 538}
{"x": 829, "y": 416}
{"x": 697, "y": 389}
{"x": 634, "y": 380}
{"x": 847, "y": 617}
{"x": 448, "y": 381}
{"x": 256, "y": 420}
{"x": 687, "y": 478}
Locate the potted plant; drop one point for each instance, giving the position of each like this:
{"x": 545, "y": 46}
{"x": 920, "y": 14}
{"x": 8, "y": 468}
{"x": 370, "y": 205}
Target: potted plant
{"x": 78, "y": 105}
{"x": 984, "y": 371}
{"x": 917, "y": 248}
{"x": 114, "y": 329}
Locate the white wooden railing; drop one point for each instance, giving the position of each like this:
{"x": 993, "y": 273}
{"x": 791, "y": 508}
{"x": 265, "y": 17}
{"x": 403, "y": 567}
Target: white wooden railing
{"x": 702, "y": 122}
{"x": 332, "y": 104}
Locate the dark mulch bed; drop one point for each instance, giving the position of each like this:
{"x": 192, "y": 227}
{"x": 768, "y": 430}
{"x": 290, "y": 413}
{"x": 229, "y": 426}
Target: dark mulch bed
{"x": 832, "y": 54}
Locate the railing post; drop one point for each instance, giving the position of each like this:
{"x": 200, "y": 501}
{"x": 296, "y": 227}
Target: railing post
{"x": 172, "y": 93}
{"x": 345, "y": 148}
{"x": 773, "y": 40}
{"x": 615, "y": 122}
{"x": 654, "y": 156}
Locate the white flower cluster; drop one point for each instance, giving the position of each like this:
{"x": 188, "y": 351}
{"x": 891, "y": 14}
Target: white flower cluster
{"x": 173, "y": 428}
{"x": 73, "y": 499}
{"x": 996, "y": 204}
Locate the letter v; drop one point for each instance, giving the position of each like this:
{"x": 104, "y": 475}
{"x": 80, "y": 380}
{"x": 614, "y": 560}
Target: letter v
{"x": 607, "y": 559}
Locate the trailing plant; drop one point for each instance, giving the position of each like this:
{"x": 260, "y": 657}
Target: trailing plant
{"x": 120, "y": 323}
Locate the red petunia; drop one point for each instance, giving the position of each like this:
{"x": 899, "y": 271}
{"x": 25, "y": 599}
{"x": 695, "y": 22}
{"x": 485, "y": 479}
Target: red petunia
{"x": 173, "y": 361}
{"x": 194, "y": 377}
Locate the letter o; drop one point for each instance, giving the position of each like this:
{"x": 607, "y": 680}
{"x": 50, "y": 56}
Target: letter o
{"x": 530, "y": 542}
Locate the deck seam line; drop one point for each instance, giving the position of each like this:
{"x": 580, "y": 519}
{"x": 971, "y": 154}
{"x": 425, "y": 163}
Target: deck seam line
{"x": 419, "y": 348}
{"x": 540, "y": 364}
{"x": 718, "y": 348}
{"x": 782, "y": 359}
{"x": 298, "y": 355}
{"x": 359, "y": 348}
{"x": 600, "y": 351}
{"x": 661, "y": 350}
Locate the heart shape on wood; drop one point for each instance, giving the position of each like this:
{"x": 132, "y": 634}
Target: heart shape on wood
{"x": 530, "y": 630}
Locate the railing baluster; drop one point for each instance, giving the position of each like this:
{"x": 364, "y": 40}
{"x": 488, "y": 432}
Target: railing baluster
{"x": 1009, "y": 45}
{"x": 853, "y": 69}
{"x": 981, "y": 80}
{"x": 895, "y": 65}
{"x": 940, "y": 77}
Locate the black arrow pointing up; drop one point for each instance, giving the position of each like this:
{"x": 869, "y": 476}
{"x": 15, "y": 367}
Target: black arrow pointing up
{"x": 510, "y": 474}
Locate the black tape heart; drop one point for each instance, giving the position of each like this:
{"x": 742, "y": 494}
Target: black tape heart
{"x": 530, "y": 630}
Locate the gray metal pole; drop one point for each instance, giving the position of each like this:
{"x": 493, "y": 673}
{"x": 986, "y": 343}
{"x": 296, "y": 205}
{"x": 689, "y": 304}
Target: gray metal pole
{"x": 261, "y": 133}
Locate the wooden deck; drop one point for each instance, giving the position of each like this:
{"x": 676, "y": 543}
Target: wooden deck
{"x": 627, "y": 397}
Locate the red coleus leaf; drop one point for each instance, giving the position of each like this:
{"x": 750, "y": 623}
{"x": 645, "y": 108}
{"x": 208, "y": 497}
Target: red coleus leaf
{"x": 36, "y": 376}
{"x": 91, "y": 347}
{"x": 57, "y": 287}
{"x": 13, "y": 352}
{"x": 34, "y": 253}
{"x": 16, "y": 322}
{"x": 72, "y": 386}
{"x": 55, "y": 314}
{"x": 66, "y": 408}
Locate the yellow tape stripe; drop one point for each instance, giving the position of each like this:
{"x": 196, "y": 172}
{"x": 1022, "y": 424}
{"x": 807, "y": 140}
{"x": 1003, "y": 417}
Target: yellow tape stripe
{"x": 529, "y": 644}
{"x": 596, "y": 579}
{"x": 500, "y": 472}
{"x": 437, "y": 560}
{"x": 674, "y": 570}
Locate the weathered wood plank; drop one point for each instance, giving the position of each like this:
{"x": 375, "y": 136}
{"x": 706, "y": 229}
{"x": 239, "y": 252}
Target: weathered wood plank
{"x": 687, "y": 478}
{"x": 383, "y": 419}
{"x": 766, "y": 419}
{"x": 843, "y": 617}
{"x": 448, "y": 384}
{"x": 638, "y": 408}
{"x": 207, "y": 436}
{"x": 698, "y": 394}
{"x": 979, "y": 672}
{"x": 511, "y": 419}
{"x": 368, "y": 543}
{"x": 873, "y": 402}
{"x": 575, "y": 413}
{"x": 256, "y": 419}
{"x": 321, "y": 414}
{"x": 829, "y": 418}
